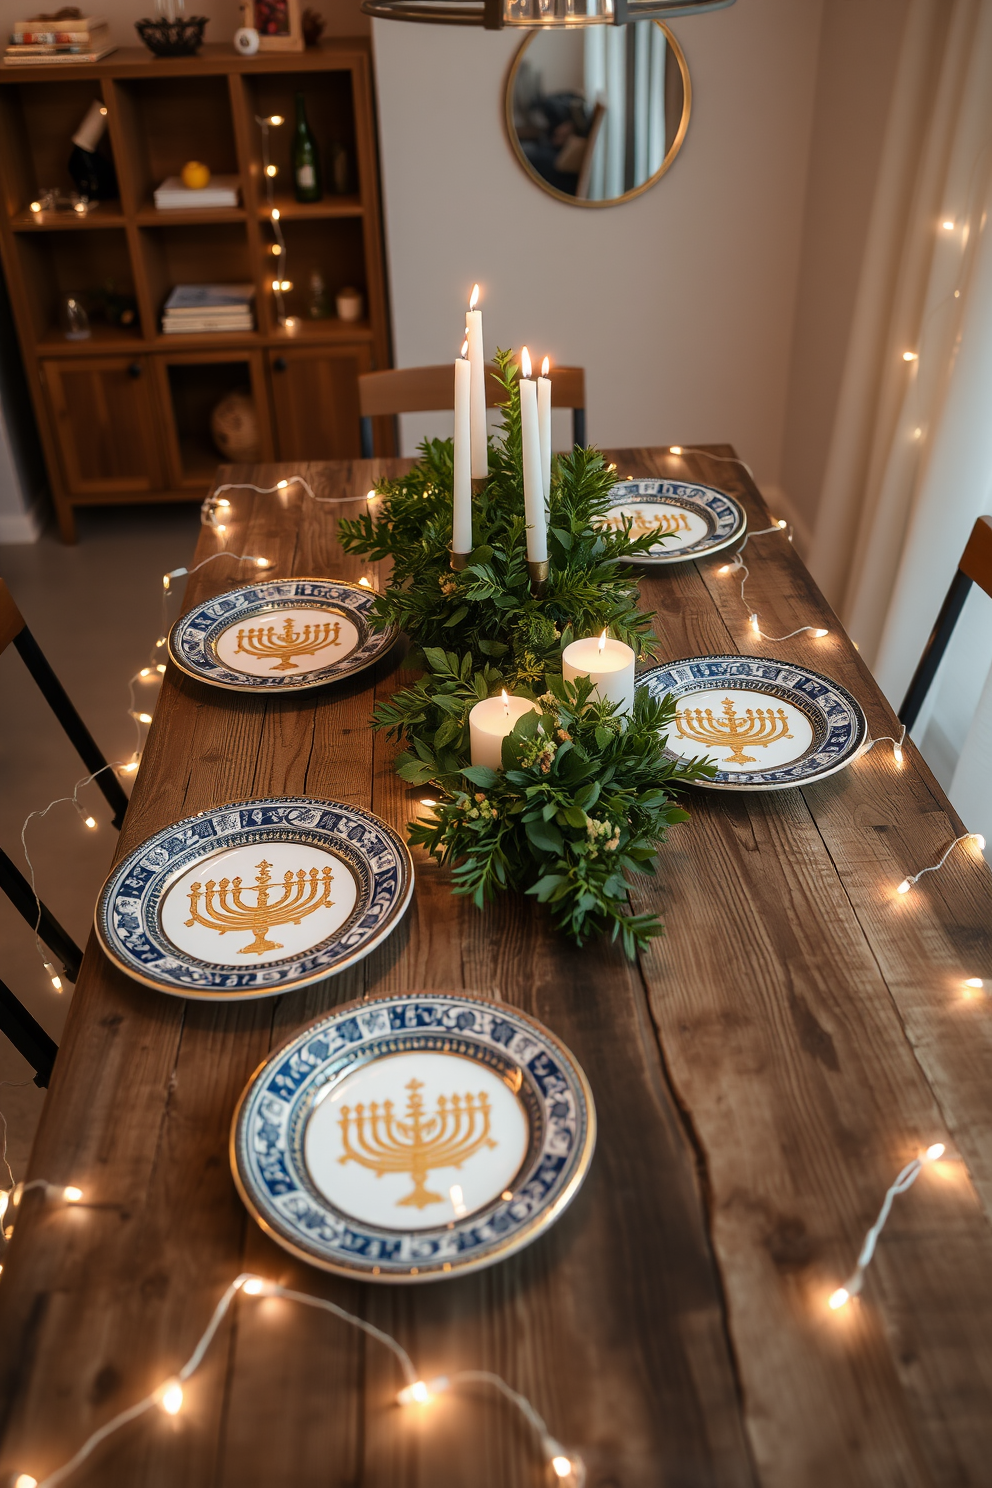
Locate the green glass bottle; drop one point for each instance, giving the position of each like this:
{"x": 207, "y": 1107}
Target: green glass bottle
{"x": 306, "y": 158}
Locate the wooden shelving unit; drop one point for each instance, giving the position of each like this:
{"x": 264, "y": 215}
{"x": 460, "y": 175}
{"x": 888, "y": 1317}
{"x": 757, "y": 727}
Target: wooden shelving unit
{"x": 124, "y": 416}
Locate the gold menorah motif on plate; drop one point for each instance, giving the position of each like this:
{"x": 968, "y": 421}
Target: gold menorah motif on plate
{"x": 264, "y": 641}
{"x": 667, "y": 524}
{"x": 378, "y": 1139}
{"x": 224, "y": 906}
{"x": 736, "y": 732}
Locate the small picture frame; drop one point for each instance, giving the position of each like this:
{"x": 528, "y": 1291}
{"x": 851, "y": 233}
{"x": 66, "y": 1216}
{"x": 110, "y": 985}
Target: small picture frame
{"x": 279, "y": 25}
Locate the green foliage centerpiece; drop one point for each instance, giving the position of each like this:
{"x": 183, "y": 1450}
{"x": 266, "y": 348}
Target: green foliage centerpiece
{"x": 584, "y": 794}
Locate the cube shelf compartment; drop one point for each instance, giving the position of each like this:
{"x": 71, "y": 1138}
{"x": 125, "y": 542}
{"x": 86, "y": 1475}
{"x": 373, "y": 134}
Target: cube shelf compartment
{"x": 124, "y": 416}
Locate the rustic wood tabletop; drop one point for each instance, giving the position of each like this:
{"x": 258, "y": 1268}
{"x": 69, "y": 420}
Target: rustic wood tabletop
{"x": 760, "y": 1076}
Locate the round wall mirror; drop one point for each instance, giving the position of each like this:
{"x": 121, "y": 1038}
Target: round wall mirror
{"x": 597, "y": 114}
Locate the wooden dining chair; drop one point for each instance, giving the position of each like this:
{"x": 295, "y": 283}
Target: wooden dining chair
{"x": 27, "y": 1036}
{"x": 432, "y": 390}
{"x": 13, "y": 629}
{"x": 975, "y": 567}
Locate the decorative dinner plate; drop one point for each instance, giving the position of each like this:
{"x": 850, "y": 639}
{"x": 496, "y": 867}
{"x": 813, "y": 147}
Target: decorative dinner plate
{"x": 766, "y": 724}
{"x": 413, "y": 1137}
{"x": 691, "y": 521}
{"x": 255, "y": 898}
{"x": 280, "y": 635}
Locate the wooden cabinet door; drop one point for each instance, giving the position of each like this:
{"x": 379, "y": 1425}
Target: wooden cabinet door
{"x": 104, "y": 417}
{"x": 315, "y": 399}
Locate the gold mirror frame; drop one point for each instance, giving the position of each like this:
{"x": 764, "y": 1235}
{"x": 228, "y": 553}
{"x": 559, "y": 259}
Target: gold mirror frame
{"x": 614, "y": 201}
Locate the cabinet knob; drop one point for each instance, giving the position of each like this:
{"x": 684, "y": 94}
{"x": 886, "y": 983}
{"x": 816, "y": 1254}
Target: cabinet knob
{"x": 134, "y": 370}
{"x": 279, "y": 365}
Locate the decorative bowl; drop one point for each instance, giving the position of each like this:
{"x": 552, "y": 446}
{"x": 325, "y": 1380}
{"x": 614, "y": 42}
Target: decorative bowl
{"x": 180, "y": 38}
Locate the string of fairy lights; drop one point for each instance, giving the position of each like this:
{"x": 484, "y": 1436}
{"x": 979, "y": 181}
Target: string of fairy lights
{"x": 565, "y": 1465}
{"x": 281, "y": 283}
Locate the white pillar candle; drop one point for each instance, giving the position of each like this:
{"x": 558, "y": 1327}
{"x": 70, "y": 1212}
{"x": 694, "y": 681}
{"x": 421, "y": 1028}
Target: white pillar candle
{"x": 537, "y": 526}
{"x": 608, "y": 664}
{"x": 461, "y": 491}
{"x": 489, "y": 723}
{"x": 477, "y": 358}
{"x": 544, "y": 422}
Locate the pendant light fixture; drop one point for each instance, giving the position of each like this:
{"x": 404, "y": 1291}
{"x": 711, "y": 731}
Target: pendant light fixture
{"x": 493, "y": 15}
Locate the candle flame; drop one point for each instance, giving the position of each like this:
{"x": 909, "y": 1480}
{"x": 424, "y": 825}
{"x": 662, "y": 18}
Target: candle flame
{"x": 525, "y": 367}
{"x": 506, "y": 702}
{"x": 465, "y": 347}
{"x": 602, "y": 641}
{"x": 544, "y": 367}
{"x": 473, "y": 299}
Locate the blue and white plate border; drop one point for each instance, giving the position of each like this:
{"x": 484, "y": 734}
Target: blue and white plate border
{"x": 725, "y": 511}
{"x": 268, "y": 1111}
{"x": 377, "y": 854}
{"x": 191, "y": 636}
{"x": 845, "y": 727}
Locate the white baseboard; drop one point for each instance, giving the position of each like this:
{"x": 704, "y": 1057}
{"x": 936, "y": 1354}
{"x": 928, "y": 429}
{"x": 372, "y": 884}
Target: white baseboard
{"x": 21, "y": 527}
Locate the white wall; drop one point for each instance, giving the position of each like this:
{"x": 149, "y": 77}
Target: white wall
{"x": 680, "y": 303}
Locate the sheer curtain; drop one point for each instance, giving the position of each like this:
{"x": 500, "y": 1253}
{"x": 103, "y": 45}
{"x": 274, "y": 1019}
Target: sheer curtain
{"x": 910, "y": 461}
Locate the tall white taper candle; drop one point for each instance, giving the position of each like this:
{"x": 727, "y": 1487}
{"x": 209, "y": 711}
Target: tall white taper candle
{"x": 461, "y": 515}
{"x": 537, "y": 528}
{"x": 477, "y": 357}
{"x": 544, "y": 420}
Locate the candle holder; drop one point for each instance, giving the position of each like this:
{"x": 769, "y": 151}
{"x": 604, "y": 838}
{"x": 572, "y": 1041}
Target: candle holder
{"x": 538, "y": 575}
{"x": 459, "y": 561}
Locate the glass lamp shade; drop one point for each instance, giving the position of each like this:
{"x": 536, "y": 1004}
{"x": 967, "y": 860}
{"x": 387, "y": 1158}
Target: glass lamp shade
{"x": 495, "y": 14}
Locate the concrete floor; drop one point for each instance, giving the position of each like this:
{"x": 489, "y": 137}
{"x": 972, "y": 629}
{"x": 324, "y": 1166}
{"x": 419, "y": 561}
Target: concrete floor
{"x": 95, "y": 611}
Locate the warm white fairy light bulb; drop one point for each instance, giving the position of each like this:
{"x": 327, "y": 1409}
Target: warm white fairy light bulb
{"x": 897, "y": 753}
{"x": 365, "y": 583}
{"x": 819, "y": 632}
{"x": 753, "y": 620}
{"x": 143, "y": 717}
{"x": 53, "y": 975}
{"x": 904, "y": 887}
{"x": 910, "y": 356}
{"x": 675, "y": 449}
{"x": 422, "y": 1392}
{"x": 171, "y": 1398}
{"x": 974, "y": 982}
{"x": 72, "y": 1194}
{"x": 839, "y": 1298}
{"x": 271, "y": 170}
{"x": 254, "y": 1286}
{"x": 25, "y": 1480}
{"x": 275, "y": 119}
{"x": 978, "y": 840}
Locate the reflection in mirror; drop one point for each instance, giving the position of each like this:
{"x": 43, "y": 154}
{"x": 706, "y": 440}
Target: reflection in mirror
{"x": 597, "y": 114}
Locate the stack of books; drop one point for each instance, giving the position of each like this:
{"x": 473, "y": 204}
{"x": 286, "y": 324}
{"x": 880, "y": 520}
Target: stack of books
{"x": 209, "y": 307}
{"x": 173, "y": 196}
{"x": 70, "y": 38}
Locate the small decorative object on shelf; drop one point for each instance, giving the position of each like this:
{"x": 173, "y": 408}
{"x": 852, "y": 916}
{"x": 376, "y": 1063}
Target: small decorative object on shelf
{"x": 320, "y": 304}
{"x": 550, "y": 786}
{"x": 339, "y": 174}
{"x": 73, "y": 319}
{"x": 246, "y": 38}
{"x": 56, "y": 200}
{"x": 278, "y": 25}
{"x": 306, "y": 158}
{"x": 92, "y": 174}
{"x": 234, "y": 428}
{"x": 350, "y": 304}
{"x": 172, "y": 33}
{"x": 313, "y": 27}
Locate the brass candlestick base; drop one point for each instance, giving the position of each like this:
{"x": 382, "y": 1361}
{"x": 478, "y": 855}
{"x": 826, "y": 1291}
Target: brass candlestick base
{"x": 459, "y": 561}
{"x": 479, "y": 483}
{"x": 538, "y": 574}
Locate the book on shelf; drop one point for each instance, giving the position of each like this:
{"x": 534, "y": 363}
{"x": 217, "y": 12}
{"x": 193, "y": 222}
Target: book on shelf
{"x": 205, "y": 327}
{"x": 221, "y": 191}
{"x": 75, "y": 36}
{"x": 76, "y": 24}
{"x": 19, "y": 56}
{"x": 200, "y": 297}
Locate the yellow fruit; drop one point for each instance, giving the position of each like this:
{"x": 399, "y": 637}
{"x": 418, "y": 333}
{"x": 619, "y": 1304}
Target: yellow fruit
{"x": 196, "y": 175}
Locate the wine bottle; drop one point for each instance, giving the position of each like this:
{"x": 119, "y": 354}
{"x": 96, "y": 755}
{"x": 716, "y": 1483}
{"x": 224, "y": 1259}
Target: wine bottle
{"x": 92, "y": 173}
{"x": 306, "y": 159}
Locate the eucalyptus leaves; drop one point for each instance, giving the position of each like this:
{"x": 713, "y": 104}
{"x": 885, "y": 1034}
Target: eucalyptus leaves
{"x": 584, "y": 797}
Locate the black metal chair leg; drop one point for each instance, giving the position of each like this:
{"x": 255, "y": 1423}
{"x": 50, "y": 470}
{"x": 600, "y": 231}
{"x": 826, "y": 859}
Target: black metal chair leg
{"x": 933, "y": 651}
{"x": 368, "y": 448}
{"x": 27, "y": 1036}
{"x": 50, "y": 932}
{"x": 579, "y": 427}
{"x": 61, "y": 705}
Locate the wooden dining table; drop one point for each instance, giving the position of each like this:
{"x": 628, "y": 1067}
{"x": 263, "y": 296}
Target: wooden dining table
{"x": 760, "y": 1075}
